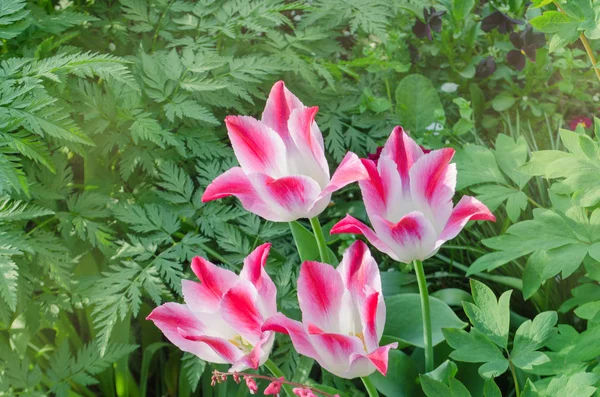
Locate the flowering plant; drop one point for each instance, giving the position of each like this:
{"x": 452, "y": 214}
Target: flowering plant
{"x": 283, "y": 176}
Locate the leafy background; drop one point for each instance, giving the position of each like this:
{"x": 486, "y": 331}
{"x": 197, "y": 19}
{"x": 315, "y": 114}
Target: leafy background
{"x": 111, "y": 127}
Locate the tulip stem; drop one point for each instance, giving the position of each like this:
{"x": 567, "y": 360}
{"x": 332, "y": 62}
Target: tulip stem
{"x": 426, "y": 315}
{"x": 278, "y": 374}
{"x": 371, "y": 390}
{"x": 320, "y": 238}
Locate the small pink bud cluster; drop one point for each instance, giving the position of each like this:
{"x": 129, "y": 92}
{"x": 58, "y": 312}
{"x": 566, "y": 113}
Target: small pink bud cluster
{"x": 274, "y": 388}
{"x": 251, "y": 383}
{"x": 302, "y": 392}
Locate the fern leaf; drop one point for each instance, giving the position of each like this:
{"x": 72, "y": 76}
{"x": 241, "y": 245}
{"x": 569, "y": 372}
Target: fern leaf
{"x": 8, "y": 281}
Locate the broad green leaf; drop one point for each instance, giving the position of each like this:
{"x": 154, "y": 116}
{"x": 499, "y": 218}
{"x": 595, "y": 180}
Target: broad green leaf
{"x": 417, "y": 103}
{"x": 494, "y": 195}
{"x": 443, "y": 372}
{"x": 488, "y": 315}
{"x": 475, "y": 347}
{"x": 511, "y": 155}
{"x": 477, "y": 164}
{"x": 491, "y": 389}
{"x": 531, "y": 336}
{"x": 409, "y": 326}
{"x": 503, "y": 101}
{"x": 580, "y": 385}
{"x": 435, "y": 388}
{"x": 308, "y": 250}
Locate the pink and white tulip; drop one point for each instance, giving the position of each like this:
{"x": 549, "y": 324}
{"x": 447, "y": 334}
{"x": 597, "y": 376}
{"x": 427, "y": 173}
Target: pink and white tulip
{"x": 343, "y": 315}
{"x": 283, "y": 173}
{"x": 222, "y": 316}
{"x": 408, "y": 198}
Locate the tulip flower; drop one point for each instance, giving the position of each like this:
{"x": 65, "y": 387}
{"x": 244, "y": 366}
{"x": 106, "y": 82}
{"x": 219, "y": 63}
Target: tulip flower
{"x": 283, "y": 174}
{"x": 222, "y": 317}
{"x": 343, "y": 315}
{"x": 408, "y": 198}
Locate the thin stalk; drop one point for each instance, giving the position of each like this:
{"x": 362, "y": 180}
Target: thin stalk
{"x": 320, "y": 238}
{"x": 425, "y": 312}
{"x": 371, "y": 390}
{"x": 514, "y": 375}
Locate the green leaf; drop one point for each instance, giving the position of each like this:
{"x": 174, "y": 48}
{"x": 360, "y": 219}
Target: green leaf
{"x": 580, "y": 385}
{"x": 488, "y": 315}
{"x": 8, "y": 281}
{"x": 409, "y": 326}
{"x": 531, "y": 336}
{"x": 435, "y": 388}
{"x": 417, "y": 103}
{"x": 307, "y": 245}
{"x": 477, "y": 164}
{"x": 491, "y": 389}
{"x": 475, "y": 347}
{"x": 511, "y": 155}
{"x": 503, "y": 101}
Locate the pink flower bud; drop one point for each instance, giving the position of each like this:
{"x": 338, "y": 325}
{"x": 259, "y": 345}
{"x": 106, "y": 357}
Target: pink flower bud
{"x": 274, "y": 387}
{"x": 236, "y": 377}
{"x": 251, "y": 384}
{"x": 299, "y": 391}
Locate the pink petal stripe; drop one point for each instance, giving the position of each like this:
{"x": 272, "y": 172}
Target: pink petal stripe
{"x": 295, "y": 329}
{"x": 254, "y": 264}
{"x": 351, "y": 225}
{"x": 351, "y": 169}
{"x": 302, "y": 122}
{"x": 257, "y": 147}
{"x": 404, "y": 151}
{"x": 414, "y": 236}
{"x": 290, "y": 197}
{"x": 215, "y": 280}
{"x": 320, "y": 290}
{"x": 369, "y": 312}
{"x": 359, "y": 270}
{"x": 336, "y": 351}
{"x": 235, "y": 182}
{"x": 468, "y": 208}
{"x": 173, "y": 316}
{"x": 225, "y": 349}
{"x": 238, "y": 309}
{"x": 232, "y": 182}
{"x": 279, "y": 106}
{"x": 379, "y": 357}
{"x": 254, "y": 271}
{"x": 373, "y": 190}
{"x": 431, "y": 178}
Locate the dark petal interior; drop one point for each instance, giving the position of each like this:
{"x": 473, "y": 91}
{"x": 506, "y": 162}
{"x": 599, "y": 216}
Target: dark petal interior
{"x": 515, "y": 59}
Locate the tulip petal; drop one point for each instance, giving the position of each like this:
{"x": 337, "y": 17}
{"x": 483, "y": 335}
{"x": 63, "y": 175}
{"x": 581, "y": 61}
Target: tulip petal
{"x": 295, "y": 329}
{"x": 467, "y": 209}
{"x": 379, "y": 357}
{"x": 372, "y": 313}
{"x": 359, "y": 270}
{"x": 372, "y": 189}
{"x": 170, "y": 317}
{"x": 413, "y": 237}
{"x": 404, "y": 151}
{"x": 336, "y": 351}
{"x": 280, "y": 105}
{"x": 257, "y": 147}
{"x": 254, "y": 272}
{"x": 398, "y": 201}
{"x": 310, "y": 153}
{"x": 291, "y": 197}
{"x": 320, "y": 290}
{"x": 239, "y": 310}
{"x": 225, "y": 349}
{"x": 235, "y": 182}
{"x": 215, "y": 282}
{"x": 351, "y": 225}
{"x": 351, "y": 169}
{"x": 432, "y": 184}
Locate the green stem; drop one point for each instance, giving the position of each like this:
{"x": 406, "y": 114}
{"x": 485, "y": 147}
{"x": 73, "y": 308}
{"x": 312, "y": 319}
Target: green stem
{"x": 320, "y": 238}
{"x": 371, "y": 390}
{"x": 514, "y": 375}
{"x": 425, "y": 314}
{"x": 278, "y": 374}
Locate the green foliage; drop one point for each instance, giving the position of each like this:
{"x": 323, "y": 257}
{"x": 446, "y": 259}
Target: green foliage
{"x": 111, "y": 127}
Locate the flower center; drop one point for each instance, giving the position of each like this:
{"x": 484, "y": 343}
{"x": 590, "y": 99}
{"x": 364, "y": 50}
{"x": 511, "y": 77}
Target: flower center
{"x": 241, "y": 343}
{"x": 360, "y": 336}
